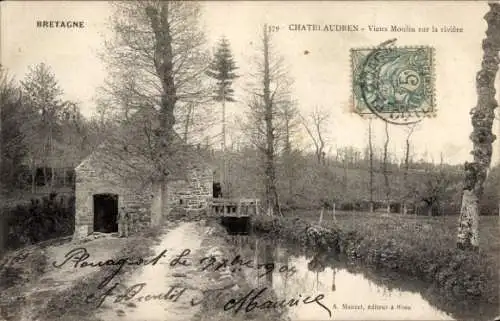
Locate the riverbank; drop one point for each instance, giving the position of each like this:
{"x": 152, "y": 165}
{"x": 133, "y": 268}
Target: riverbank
{"x": 467, "y": 280}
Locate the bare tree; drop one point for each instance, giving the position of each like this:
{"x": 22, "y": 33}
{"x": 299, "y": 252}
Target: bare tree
{"x": 314, "y": 125}
{"x": 290, "y": 122}
{"x": 105, "y": 115}
{"x": 409, "y": 132}
{"x": 271, "y": 192}
{"x": 344, "y": 156}
{"x": 75, "y": 138}
{"x": 370, "y": 156}
{"x": 158, "y": 61}
{"x": 482, "y": 136}
{"x": 194, "y": 122}
{"x": 434, "y": 187}
{"x": 263, "y": 126}
{"x": 254, "y": 125}
{"x": 385, "y": 168}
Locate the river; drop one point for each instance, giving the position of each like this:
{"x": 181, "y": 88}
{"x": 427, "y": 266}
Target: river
{"x": 350, "y": 295}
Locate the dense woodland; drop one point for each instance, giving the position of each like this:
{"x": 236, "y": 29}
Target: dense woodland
{"x": 44, "y": 137}
{"x": 42, "y": 145}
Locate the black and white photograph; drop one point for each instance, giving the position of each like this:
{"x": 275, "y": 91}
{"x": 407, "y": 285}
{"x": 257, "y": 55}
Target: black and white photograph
{"x": 249, "y": 160}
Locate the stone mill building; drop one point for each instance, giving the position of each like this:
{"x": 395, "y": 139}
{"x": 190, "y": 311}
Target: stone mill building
{"x": 104, "y": 183}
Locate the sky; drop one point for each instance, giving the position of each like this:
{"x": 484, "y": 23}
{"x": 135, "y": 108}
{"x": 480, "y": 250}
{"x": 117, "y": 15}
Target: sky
{"x": 322, "y": 78}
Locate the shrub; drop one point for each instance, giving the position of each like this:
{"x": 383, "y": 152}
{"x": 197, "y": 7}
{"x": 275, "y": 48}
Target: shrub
{"x": 40, "y": 220}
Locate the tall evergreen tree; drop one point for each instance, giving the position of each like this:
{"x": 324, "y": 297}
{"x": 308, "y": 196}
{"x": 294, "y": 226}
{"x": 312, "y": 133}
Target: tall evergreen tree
{"x": 222, "y": 69}
{"x": 270, "y": 92}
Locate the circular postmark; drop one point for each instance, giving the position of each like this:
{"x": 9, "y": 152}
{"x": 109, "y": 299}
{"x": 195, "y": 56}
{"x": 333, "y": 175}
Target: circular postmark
{"x": 394, "y": 84}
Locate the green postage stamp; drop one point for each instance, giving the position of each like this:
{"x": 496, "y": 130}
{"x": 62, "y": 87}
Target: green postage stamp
{"x": 394, "y": 83}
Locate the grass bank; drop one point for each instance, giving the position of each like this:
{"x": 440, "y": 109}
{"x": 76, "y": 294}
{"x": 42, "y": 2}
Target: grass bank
{"x": 418, "y": 248}
{"x": 38, "y": 220}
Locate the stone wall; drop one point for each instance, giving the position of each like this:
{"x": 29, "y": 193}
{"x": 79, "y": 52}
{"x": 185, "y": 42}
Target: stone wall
{"x": 197, "y": 192}
{"x": 173, "y": 198}
{"x": 92, "y": 179}
{"x": 193, "y": 193}
{"x": 146, "y": 204}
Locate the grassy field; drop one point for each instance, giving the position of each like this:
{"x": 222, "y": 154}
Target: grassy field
{"x": 438, "y": 231}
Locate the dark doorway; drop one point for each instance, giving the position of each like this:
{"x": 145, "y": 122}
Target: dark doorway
{"x": 217, "y": 190}
{"x": 105, "y": 213}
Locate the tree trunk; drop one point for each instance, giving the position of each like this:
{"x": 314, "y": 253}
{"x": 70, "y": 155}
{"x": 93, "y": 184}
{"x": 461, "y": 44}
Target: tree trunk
{"x": 3, "y": 234}
{"x": 51, "y": 157}
{"x": 288, "y": 157}
{"x": 164, "y": 66}
{"x": 406, "y": 170}
{"x": 344, "y": 178}
{"x": 385, "y": 171}
{"x": 44, "y": 168}
{"x": 370, "y": 146}
{"x": 469, "y": 222}
{"x": 223, "y": 178}
{"x": 271, "y": 192}
{"x": 187, "y": 122}
{"x": 33, "y": 176}
{"x": 269, "y": 258}
{"x": 482, "y": 137}
{"x": 334, "y": 287}
{"x": 164, "y": 206}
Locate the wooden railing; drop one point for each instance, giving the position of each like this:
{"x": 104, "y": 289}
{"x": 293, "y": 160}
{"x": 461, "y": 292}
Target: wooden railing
{"x": 235, "y": 207}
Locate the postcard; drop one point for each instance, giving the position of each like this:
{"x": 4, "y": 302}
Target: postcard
{"x": 249, "y": 160}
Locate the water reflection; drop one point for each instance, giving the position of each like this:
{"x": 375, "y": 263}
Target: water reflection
{"x": 349, "y": 295}
{"x": 264, "y": 255}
